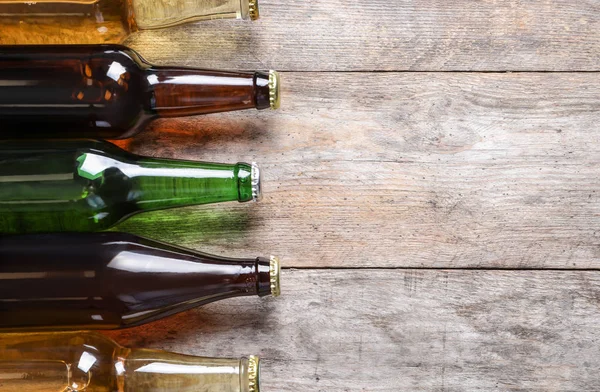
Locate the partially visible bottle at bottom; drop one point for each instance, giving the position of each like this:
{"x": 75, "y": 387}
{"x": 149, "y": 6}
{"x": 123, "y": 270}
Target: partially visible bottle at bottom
{"x": 90, "y": 362}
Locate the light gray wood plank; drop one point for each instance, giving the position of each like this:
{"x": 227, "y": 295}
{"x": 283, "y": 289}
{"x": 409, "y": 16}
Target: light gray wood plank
{"x": 402, "y": 169}
{"x": 404, "y": 330}
{"x": 391, "y": 35}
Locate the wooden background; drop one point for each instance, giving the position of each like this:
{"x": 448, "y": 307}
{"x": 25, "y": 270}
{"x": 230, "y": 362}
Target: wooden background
{"x": 431, "y": 184}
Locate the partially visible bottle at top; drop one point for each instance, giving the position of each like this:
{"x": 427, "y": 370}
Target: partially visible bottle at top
{"x": 87, "y": 185}
{"x": 110, "y": 92}
{"x": 115, "y": 280}
{"x": 106, "y": 21}
{"x": 91, "y": 362}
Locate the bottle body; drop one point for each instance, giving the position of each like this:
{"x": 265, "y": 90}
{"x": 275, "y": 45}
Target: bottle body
{"x": 86, "y": 185}
{"x": 110, "y": 92}
{"x": 115, "y": 280}
{"x": 90, "y": 362}
{"x": 106, "y": 21}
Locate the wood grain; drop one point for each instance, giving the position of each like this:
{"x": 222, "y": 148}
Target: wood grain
{"x": 391, "y": 35}
{"x": 436, "y": 170}
{"x": 404, "y": 330}
{"x": 485, "y": 175}
{"x": 493, "y": 177}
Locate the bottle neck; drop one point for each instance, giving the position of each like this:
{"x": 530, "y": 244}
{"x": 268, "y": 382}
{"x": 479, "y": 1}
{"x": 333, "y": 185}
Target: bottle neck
{"x": 162, "y": 183}
{"x": 154, "y": 14}
{"x": 184, "y": 92}
{"x": 183, "y": 284}
{"x": 157, "y": 370}
{"x": 220, "y": 275}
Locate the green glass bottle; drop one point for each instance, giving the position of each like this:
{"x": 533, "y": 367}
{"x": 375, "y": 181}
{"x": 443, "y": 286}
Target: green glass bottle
{"x": 88, "y": 185}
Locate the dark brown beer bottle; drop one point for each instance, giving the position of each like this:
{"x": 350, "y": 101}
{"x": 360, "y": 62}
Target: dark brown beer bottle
{"x": 115, "y": 280}
{"x": 111, "y": 92}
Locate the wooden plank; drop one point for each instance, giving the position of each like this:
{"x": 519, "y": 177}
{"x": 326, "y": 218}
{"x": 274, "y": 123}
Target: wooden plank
{"x": 418, "y": 35}
{"x": 404, "y": 330}
{"x": 402, "y": 169}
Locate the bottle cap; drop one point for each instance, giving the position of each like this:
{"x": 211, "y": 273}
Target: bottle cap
{"x": 274, "y": 272}
{"x": 253, "y": 373}
{"x": 274, "y": 83}
{"x": 253, "y": 9}
{"x": 255, "y": 178}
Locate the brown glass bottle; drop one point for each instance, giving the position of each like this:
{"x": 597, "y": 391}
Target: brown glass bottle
{"x": 115, "y": 280}
{"x": 111, "y": 92}
{"x": 91, "y": 362}
{"x": 106, "y": 21}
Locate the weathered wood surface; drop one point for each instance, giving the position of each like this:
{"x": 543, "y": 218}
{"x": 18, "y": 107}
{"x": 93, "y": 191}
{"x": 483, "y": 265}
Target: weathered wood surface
{"x": 403, "y": 170}
{"x": 392, "y": 35}
{"x": 471, "y": 172}
{"x": 405, "y": 330}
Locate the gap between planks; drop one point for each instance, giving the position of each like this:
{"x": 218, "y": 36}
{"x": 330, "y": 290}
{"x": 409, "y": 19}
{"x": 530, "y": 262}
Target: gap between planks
{"x": 401, "y": 268}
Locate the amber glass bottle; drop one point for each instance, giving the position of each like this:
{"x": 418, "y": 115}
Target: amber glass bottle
{"x": 91, "y": 362}
{"x": 110, "y": 92}
{"x": 106, "y": 21}
{"x": 115, "y": 280}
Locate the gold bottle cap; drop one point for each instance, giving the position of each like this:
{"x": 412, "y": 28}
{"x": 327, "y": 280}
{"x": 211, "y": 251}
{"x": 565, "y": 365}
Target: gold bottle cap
{"x": 253, "y": 9}
{"x": 274, "y": 272}
{"x": 274, "y": 83}
{"x": 253, "y": 374}
{"x": 255, "y": 178}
